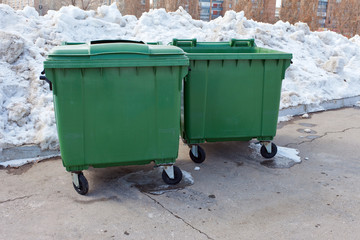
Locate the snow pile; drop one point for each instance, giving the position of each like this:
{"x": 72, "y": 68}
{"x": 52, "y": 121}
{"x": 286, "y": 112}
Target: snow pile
{"x": 355, "y": 39}
{"x": 326, "y": 64}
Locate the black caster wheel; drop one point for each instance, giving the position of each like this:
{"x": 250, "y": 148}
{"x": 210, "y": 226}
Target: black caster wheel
{"x": 265, "y": 153}
{"x": 83, "y": 184}
{"x": 201, "y": 155}
{"x": 177, "y": 176}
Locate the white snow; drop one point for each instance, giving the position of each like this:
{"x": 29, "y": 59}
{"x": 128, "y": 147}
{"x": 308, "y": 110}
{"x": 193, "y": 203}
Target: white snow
{"x": 197, "y": 168}
{"x": 290, "y": 153}
{"x": 355, "y": 39}
{"x": 307, "y": 130}
{"x": 325, "y": 64}
{"x": 284, "y": 118}
{"x": 187, "y": 177}
{"x": 305, "y": 115}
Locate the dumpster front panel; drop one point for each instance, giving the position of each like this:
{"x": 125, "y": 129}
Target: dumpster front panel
{"x": 210, "y": 114}
{"x": 232, "y": 94}
{"x": 110, "y": 114}
{"x": 141, "y": 117}
{"x": 118, "y": 118}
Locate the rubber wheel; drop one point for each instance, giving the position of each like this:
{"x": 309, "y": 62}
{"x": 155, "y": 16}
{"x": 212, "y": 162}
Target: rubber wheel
{"x": 265, "y": 153}
{"x": 177, "y": 176}
{"x": 201, "y": 155}
{"x": 84, "y": 185}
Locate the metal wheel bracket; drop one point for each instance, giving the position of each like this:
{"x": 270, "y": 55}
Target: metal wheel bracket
{"x": 169, "y": 169}
{"x": 75, "y": 179}
{"x": 194, "y": 150}
{"x": 267, "y": 146}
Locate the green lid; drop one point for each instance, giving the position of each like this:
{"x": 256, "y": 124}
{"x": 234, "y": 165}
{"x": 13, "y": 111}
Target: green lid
{"x": 110, "y": 53}
{"x": 232, "y": 50}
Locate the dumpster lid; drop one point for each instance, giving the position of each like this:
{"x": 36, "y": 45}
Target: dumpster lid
{"x": 105, "y": 47}
{"x": 234, "y": 49}
{"x": 114, "y": 53}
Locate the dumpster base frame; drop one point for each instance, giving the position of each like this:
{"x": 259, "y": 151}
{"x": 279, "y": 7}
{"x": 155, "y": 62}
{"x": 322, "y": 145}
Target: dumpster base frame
{"x": 167, "y": 161}
{"x": 237, "y": 139}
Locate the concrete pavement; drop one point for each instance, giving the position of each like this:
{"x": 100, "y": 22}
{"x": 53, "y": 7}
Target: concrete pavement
{"x": 233, "y": 195}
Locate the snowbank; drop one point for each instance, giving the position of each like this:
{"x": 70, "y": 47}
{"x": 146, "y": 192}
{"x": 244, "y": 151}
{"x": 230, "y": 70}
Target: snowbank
{"x": 326, "y": 64}
{"x": 355, "y": 39}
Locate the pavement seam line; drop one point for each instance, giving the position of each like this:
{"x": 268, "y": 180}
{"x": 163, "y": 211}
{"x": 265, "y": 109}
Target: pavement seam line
{"x": 325, "y": 134}
{"x": 14, "y": 199}
{"x": 178, "y": 217}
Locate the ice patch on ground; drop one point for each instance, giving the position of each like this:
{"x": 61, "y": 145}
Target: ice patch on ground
{"x": 290, "y": 153}
{"x": 285, "y": 157}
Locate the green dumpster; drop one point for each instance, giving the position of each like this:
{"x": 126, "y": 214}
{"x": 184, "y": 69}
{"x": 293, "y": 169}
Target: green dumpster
{"x": 117, "y": 103}
{"x": 232, "y": 93}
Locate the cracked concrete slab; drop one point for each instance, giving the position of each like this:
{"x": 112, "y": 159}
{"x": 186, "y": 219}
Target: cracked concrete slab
{"x": 233, "y": 195}
{"x": 320, "y": 136}
{"x": 14, "y": 199}
{"x": 177, "y": 216}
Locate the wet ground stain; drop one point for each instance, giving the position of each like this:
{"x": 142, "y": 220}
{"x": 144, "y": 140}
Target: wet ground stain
{"x": 307, "y": 124}
{"x": 96, "y": 200}
{"x": 24, "y": 168}
{"x": 19, "y": 170}
{"x": 239, "y": 164}
{"x": 279, "y": 163}
{"x": 151, "y": 182}
{"x": 312, "y": 137}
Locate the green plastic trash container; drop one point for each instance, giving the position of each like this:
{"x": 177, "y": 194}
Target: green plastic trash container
{"x": 232, "y": 93}
{"x": 117, "y": 103}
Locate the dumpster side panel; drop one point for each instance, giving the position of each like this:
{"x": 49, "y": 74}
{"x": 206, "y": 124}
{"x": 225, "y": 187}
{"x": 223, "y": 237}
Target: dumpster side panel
{"x": 252, "y": 110}
{"x": 273, "y": 75}
{"x": 68, "y": 103}
{"x": 168, "y": 111}
{"x": 195, "y": 90}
